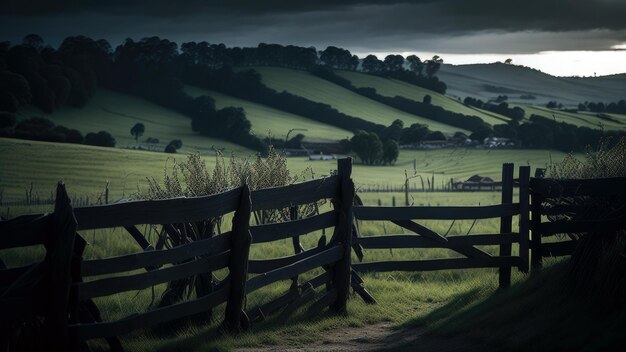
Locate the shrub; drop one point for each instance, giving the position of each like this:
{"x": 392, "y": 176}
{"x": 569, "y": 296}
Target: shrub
{"x": 100, "y": 139}
{"x": 173, "y": 146}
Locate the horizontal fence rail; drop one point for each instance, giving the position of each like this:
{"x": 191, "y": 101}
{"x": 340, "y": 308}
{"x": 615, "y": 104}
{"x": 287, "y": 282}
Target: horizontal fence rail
{"x": 424, "y": 237}
{"x": 436, "y": 213}
{"x": 567, "y": 203}
{"x": 82, "y": 279}
{"x": 320, "y": 276}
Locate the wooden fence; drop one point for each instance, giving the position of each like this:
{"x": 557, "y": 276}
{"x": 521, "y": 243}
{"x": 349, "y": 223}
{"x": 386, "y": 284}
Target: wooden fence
{"x": 62, "y": 287}
{"x": 563, "y": 209}
{"x": 66, "y": 284}
{"x": 464, "y": 245}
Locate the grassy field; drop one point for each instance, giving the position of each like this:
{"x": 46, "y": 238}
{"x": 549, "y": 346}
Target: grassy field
{"x": 486, "y": 81}
{"x": 266, "y": 120}
{"x": 117, "y": 113}
{"x": 582, "y": 119}
{"x": 391, "y": 88}
{"x": 402, "y": 298}
{"x": 316, "y": 89}
{"x": 87, "y": 169}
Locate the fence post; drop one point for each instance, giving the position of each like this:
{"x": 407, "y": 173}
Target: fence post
{"x": 524, "y": 218}
{"x": 238, "y": 264}
{"x": 506, "y": 226}
{"x": 297, "y": 246}
{"x": 536, "y": 255}
{"x": 59, "y": 252}
{"x": 341, "y": 272}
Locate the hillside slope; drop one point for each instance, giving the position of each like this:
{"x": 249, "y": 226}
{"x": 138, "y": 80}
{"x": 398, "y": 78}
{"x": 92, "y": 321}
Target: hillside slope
{"x": 117, "y": 113}
{"x": 582, "y": 119}
{"x": 266, "y": 120}
{"x": 487, "y": 81}
{"x": 316, "y": 89}
{"x": 391, "y": 87}
{"x": 90, "y": 168}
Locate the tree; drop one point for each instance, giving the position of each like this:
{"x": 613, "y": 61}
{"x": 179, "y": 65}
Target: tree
{"x": 433, "y": 65}
{"x": 394, "y": 62}
{"x": 173, "y": 146}
{"x": 372, "y": 64}
{"x": 427, "y": 99}
{"x": 34, "y": 41}
{"x": 415, "y": 64}
{"x": 137, "y": 131}
{"x": 391, "y": 150}
{"x": 508, "y": 61}
{"x": 414, "y": 134}
{"x": 101, "y": 139}
{"x": 367, "y": 147}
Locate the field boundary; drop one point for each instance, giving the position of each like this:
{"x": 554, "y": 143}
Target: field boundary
{"x": 60, "y": 290}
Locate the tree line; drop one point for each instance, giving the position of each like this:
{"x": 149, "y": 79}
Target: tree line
{"x": 424, "y": 108}
{"x": 612, "y": 107}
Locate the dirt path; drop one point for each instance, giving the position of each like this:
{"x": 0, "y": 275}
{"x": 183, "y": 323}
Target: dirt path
{"x": 378, "y": 337}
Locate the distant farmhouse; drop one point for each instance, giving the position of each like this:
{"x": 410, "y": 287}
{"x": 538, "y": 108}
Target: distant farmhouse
{"x": 477, "y": 183}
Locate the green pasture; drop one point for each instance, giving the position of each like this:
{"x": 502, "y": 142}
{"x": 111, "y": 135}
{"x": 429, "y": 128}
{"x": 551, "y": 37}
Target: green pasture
{"x": 402, "y": 297}
{"x": 391, "y": 88}
{"x": 582, "y": 119}
{"x": 117, "y": 113}
{"x": 269, "y": 121}
{"x": 87, "y": 169}
{"x": 317, "y": 89}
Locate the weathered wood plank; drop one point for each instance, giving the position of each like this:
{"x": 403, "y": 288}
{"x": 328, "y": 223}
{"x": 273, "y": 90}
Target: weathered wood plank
{"x": 535, "y": 226}
{"x": 307, "y": 294}
{"x": 296, "y": 194}
{"x": 524, "y": 218}
{"x": 57, "y": 267}
{"x": 551, "y": 188}
{"x": 432, "y": 235}
{"x": 436, "y": 213}
{"x": 151, "y": 318}
{"x": 558, "y": 249}
{"x": 343, "y": 235}
{"x": 27, "y": 230}
{"x": 163, "y": 211}
{"x": 258, "y": 266}
{"x": 108, "y": 286}
{"x": 581, "y": 226}
{"x": 210, "y": 246}
{"x": 506, "y": 223}
{"x": 359, "y": 287}
{"x": 328, "y": 299}
{"x": 268, "y": 308}
{"x": 328, "y": 256}
{"x": 282, "y": 230}
{"x": 437, "y": 264}
{"x": 412, "y": 241}
{"x": 238, "y": 263}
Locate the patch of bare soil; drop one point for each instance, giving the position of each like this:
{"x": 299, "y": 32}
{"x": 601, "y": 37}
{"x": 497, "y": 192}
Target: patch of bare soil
{"x": 378, "y": 337}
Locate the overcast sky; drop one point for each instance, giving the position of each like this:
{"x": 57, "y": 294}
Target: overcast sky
{"x": 561, "y": 37}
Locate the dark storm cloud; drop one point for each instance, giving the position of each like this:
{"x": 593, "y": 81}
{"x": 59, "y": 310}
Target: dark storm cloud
{"x": 550, "y": 15}
{"x": 361, "y": 25}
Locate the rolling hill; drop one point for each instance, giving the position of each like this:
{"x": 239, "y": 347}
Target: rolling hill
{"x": 266, "y": 120}
{"x": 316, "y": 89}
{"x": 486, "y": 81}
{"x": 391, "y": 87}
{"x": 583, "y": 119}
{"x": 87, "y": 169}
{"x": 117, "y": 113}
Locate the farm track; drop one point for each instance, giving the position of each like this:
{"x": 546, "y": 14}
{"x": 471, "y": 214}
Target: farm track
{"x": 378, "y": 337}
